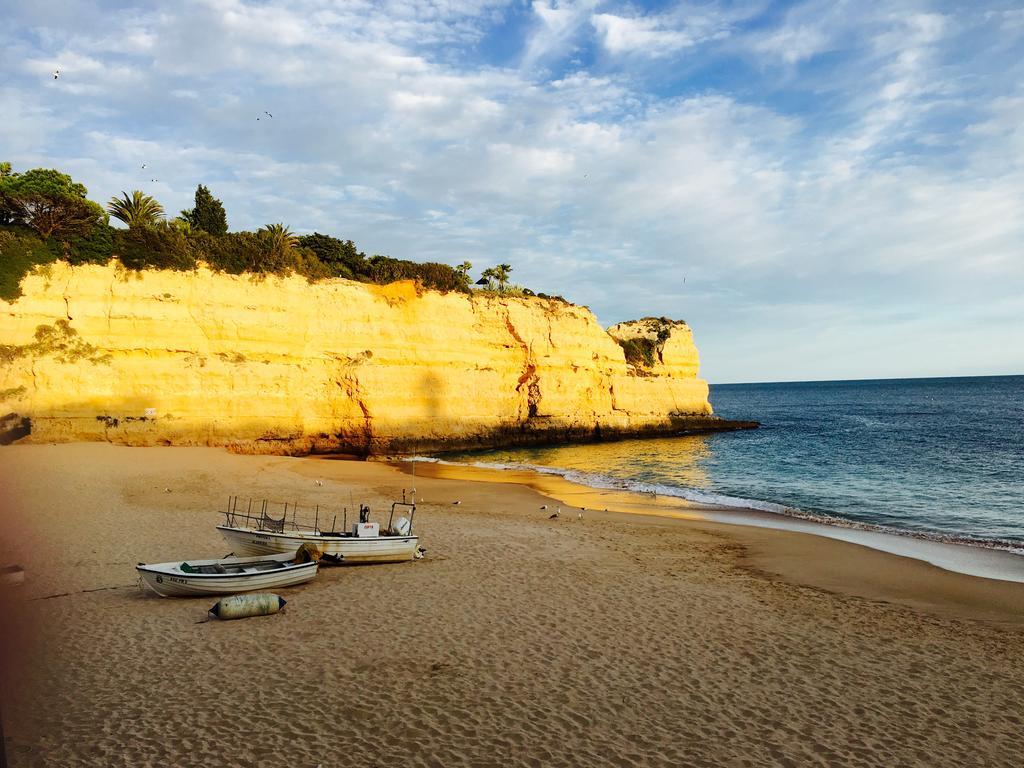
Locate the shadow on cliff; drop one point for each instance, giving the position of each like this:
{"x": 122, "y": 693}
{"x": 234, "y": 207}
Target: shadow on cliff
{"x": 431, "y": 395}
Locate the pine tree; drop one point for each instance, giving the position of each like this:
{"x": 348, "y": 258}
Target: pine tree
{"x": 209, "y": 213}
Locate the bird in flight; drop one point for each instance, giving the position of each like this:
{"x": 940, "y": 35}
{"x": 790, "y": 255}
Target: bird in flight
{"x": 143, "y": 165}
{"x": 56, "y": 74}
{"x": 267, "y": 114}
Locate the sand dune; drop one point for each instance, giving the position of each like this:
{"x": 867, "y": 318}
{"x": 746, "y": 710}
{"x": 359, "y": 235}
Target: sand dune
{"x": 519, "y": 640}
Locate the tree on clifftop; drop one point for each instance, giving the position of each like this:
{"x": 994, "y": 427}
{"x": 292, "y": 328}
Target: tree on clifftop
{"x": 208, "y": 215}
{"x": 279, "y": 240}
{"x": 48, "y": 201}
{"x": 502, "y": 273}
{"x": 136, "y": 210}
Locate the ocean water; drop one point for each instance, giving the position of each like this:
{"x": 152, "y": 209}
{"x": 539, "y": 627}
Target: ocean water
{"x": 931, "y": 458}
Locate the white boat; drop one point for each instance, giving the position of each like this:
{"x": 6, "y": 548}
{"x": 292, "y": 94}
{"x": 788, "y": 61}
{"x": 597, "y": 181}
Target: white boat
{"x": 227, "y": 575}
{"x": 365, "y": 542}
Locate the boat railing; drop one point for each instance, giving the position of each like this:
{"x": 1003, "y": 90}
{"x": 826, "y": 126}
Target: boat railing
{"x": 278, "y": 517}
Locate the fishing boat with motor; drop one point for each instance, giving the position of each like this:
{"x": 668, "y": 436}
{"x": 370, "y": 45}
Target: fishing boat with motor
{"x": 257, "y": 533}
{"x": 229, "y": 575}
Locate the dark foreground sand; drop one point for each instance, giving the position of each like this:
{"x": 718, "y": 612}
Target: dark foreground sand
{"x": 612, "y": 640}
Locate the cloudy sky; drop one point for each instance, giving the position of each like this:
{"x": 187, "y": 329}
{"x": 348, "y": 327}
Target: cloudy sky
{"x": 822, "y": 189}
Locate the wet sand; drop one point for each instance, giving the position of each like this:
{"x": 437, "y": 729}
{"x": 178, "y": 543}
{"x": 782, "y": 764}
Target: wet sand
{"x": 616, "y": 639}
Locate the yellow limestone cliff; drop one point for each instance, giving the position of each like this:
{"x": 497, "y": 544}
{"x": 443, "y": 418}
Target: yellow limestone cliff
{"x": 284, "y": 366}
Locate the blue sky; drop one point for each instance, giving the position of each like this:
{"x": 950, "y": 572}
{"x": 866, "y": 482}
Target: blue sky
{"x": 821, "y": 189}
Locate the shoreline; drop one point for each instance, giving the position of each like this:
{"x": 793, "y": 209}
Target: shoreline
{"x": 990, "y": 560}
{"x": 797, "y": 555}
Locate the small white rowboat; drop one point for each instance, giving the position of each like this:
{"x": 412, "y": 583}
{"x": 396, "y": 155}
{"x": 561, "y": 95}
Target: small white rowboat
{"x": 226, "y": 576}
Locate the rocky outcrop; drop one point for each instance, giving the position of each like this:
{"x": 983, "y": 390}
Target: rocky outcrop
{"x": 279, "y": 365}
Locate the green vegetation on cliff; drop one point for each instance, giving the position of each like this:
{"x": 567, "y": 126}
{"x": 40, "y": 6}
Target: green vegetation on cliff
{"x": 45, "y": 216}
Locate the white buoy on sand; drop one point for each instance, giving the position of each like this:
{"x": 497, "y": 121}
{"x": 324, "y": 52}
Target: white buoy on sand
{"x": 244, "y": 606}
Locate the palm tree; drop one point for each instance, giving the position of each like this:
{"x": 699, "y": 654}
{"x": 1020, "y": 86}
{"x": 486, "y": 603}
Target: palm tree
{"x": 487, "y": 277}
{"x": 502, "y": 272}
{"x": 278, "y": 237}
{"x": 137, "y": 210}
{"x": 463, "y": 272}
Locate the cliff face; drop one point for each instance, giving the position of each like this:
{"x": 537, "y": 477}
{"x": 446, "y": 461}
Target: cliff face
{"x": 280, "y": 365}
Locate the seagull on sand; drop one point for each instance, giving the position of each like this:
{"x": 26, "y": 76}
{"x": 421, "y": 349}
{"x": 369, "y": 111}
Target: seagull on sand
{"x": 543, "y": 506}
{"x": 319, "y": 482}
{"x": 557, "y": 510}
{"x": 167, "y": 490}
{"x": 456, "y": 503}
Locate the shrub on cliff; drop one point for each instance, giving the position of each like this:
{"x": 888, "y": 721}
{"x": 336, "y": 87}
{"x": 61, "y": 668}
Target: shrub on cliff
{"x": 309, "y": 266}
{"x": 156, "y": 247}
{"x": 20, "y": 250}
{"x": 440, "y": 277}
{"x": 339, "y": 256}
{"x": 97, "y": 247}
{"x": 639, "y": 352}
{"x": 268, "y": 251}
{"x": 234, "y": 253}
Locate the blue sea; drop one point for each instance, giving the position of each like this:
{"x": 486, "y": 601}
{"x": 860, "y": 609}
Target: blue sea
{"x": 932, "y": 458}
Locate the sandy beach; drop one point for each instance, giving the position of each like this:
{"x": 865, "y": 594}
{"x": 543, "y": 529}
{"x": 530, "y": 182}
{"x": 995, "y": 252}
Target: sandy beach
{"x": 644, "y": 636}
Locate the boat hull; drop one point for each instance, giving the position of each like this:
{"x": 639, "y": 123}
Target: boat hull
{"x": 167, "y": 580}
{"x": 353, "y": 550}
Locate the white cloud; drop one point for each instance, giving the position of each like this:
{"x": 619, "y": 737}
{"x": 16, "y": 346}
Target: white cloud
{"x": 794, "y": 44}
{"x": 556, "y": 25}
{"x": 640, "y": 35}
{"x": 590, "y": 182}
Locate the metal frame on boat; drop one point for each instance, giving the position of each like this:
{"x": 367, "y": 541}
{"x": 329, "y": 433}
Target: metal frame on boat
{"x": 250, "y": 533}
